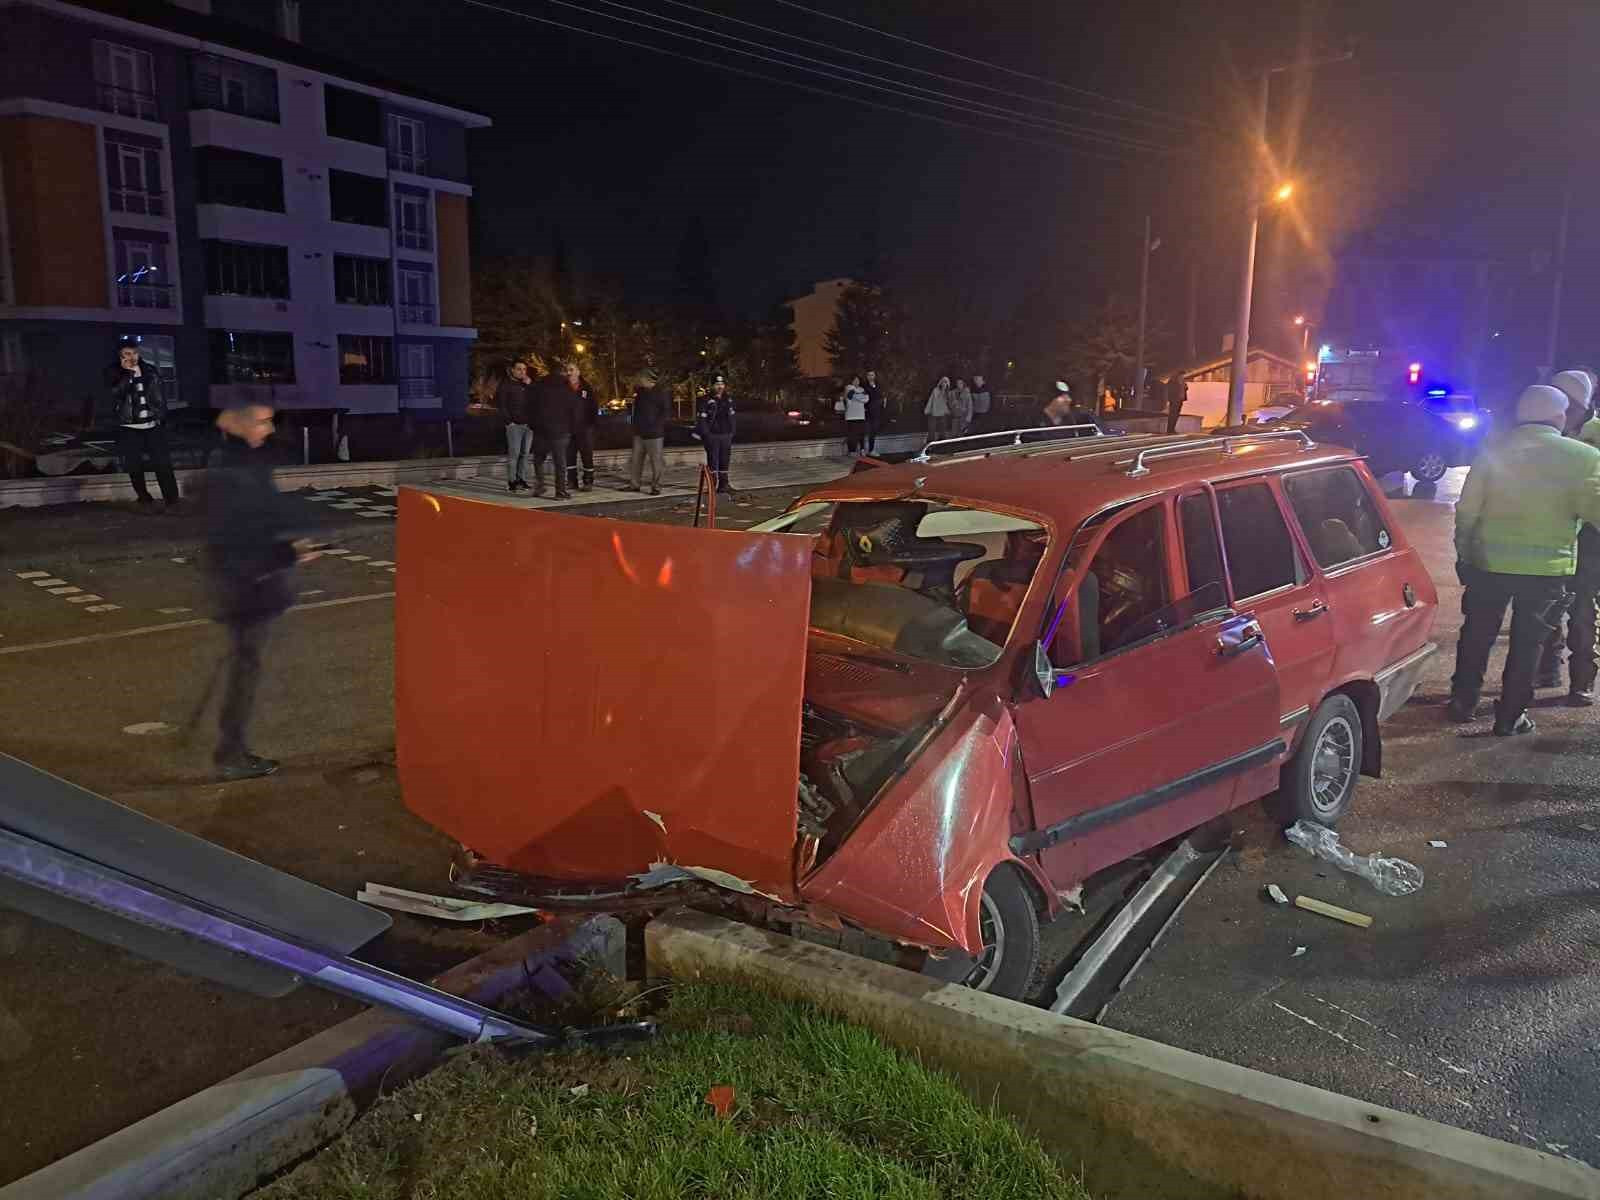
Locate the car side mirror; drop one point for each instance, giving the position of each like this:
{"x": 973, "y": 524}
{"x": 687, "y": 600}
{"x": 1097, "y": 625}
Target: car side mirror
{"x": 1045, "y": 673}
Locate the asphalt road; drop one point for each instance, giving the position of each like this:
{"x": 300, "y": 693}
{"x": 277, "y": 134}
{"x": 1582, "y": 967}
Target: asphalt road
{"x": 1473, "y": 1002}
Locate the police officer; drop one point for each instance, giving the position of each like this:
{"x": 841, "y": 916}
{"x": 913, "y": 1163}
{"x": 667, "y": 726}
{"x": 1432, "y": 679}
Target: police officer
{"x": 716, "y": 424}
{"x": 1516, "y": 544}
{"x": 582, "y": 443}
{"x": 1583, "y": 596}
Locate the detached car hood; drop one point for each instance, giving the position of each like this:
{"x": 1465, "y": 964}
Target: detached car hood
{"x": 580, "y": 699}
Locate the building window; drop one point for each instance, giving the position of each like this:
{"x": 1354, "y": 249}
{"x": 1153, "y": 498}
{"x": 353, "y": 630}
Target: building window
{"x": 142, "y": 279}
{"x": 125, "y": 80}
{"x": 416, "y": 294}
{"x": 243, "y": 269}
{"x": 408, "y": 145}
{"x": 412, "y": 227}
{"x": 133, "y": 175}
{"x": 352, "y": 115}
{"x": 240, "y": 179}
{"x": 360, "y": 280}
{"x": 416, "y": 372}
{"x": 238, "y": 357}
{"x": 230, "y": 86}
{"x": 365, "y": 359}
{"x": 357, "y": 199}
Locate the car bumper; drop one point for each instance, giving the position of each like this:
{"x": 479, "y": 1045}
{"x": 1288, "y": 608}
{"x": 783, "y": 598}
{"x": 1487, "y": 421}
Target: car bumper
{"x": 1397, "y": 681}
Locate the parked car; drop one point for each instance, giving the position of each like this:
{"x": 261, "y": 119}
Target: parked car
{"x": 930, "y": 700}
{"x": 1395, "y": 432}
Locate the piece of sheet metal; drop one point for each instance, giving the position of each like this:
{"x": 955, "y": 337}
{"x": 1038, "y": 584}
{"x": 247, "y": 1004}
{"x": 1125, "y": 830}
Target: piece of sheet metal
{"x": 580, "y": 699}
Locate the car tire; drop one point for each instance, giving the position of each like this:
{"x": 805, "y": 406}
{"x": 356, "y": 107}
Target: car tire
{"x": 1318, "y": 782}
{"x": 1010, "y": 926}
{"x": 1430, "y": 468}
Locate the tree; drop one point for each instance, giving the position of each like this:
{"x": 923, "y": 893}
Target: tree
{"x": 760, "y": 356}
{"x": 518, "y": 316}
{"x": 865, "y": 330}
{"x": 1101, "y": 347}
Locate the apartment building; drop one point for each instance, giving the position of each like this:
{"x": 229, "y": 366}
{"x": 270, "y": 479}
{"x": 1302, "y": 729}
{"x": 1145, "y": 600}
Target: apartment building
{"x": 271, "y": 223}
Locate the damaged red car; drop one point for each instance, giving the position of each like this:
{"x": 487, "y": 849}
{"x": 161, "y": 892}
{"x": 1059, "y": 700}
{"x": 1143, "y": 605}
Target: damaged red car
{"x": 929, "y": 701}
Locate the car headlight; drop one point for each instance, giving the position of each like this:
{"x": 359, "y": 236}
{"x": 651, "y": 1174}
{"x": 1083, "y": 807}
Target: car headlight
{"x": 1465, "y": 422}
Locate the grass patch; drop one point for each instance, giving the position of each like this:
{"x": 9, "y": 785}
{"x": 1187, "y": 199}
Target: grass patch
{"x": 822, "y": 1109}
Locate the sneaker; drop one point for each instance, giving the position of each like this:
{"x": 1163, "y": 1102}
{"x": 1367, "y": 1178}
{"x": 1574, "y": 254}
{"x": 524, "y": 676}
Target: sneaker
{"x": 1580, "y": 698}
{"x": 1523, "y": 724}
{"x": 538, "y": 490}
{"x": 512, "y": 487}
{"x": 246, "y": 766}
{"x": 654, "y": 491}
{"x": 563, "y": 494}
{"x": 1460, "y": 712}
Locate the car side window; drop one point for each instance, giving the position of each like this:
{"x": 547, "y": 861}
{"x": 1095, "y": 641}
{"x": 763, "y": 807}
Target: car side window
{"x": 1261, "y": 553}
{"x": 1202, "y": 552}
{"x": 1337, "y": 514}
{"x": 1119, "y": 598}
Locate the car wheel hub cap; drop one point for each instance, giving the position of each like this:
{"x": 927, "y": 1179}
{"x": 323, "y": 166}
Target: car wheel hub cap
{"x": 1333, "y": 764}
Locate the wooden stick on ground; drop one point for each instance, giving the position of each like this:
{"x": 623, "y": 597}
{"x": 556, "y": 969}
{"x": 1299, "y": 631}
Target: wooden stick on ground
{"x": 1325, "y": 909}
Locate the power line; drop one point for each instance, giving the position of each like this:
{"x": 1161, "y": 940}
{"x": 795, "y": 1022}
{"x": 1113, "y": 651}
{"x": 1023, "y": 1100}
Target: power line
{"x": 993, "y": 66}
{"x": 1059, "y": 147}
{"x": 1163, "y": 122}
{"x": 896, "y": 87}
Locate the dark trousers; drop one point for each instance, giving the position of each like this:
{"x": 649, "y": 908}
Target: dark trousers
{"x": 1534, "y": 601}
{"x": 141, "y": 446}
{"x": 874, "y": 423}
{"x": 581, "y": 446}
{"x": 719, "y": 449}
{"x": 555, "y": 449}
{"x": 855, "y": 436}
{"x": 249, "y": 638}
{"x": 1582, "y": 615}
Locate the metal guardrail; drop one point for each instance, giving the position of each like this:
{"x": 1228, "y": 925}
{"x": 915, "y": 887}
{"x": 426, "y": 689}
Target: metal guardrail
{"x": 1018, "y": 438}
{"x": 1224, "y": 443}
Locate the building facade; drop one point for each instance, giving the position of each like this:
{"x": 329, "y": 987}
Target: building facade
{"x": 272, "y": 225}
{"x": 813, "y": 317}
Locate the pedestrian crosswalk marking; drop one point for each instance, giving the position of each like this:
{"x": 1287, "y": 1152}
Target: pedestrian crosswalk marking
{"x": 103, "y": 608}
{"x": 85, "y": 599}
{"x": 375, "y": 512}
{"x": 170, "y": 611}
{"x": 347, "y": 505}
{"x": 381, "y": 562}
{"x": 356, "y": 558}
{"x": 63, "y": 591}
{"x": 45, "y": 583}
{"x": 32, "y": 574}
{"x": 336, "y": 550}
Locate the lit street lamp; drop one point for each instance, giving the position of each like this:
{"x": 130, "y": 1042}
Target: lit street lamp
{"x": 1241, "y": 335}
{"x": 1305, "y": 334}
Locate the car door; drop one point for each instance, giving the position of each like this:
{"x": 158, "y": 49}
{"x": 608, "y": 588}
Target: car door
{"x": 1160, "y": 706}
{"x": 1268, "y": 580}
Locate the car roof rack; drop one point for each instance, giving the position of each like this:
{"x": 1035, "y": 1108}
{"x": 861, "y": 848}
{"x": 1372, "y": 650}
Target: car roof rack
{"x": 1047, "y": 433}
{"x": 1224, "y": 442}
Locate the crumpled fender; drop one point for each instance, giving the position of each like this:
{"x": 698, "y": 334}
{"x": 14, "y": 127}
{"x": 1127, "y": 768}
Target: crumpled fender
{"x": 913, "y": 869}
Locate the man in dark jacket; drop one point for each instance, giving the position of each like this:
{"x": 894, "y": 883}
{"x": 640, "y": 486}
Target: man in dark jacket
{"x": 250, "y": 558}
{"x": 511, "y": 398}
{"x": 555, "y": 412}
{"x": 582, "y": 443}
{"x": 716, "y": 424}
{"x": 139, "y": 408}
{"x": 874, "y": 392}
{"x": 652, "y": 405}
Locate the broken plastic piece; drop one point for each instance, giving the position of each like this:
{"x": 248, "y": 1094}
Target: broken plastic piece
{"x": 1391, "y": 876}
{"x": 579, "y": 1092}
{"x": 1298, "y": 951}
{"x": 1276, "y": 894}
{"x": 656, "y": 817}
{"x": 1438, "y": 845}
{"x": 721, "y": 1100}
{"x": 1323, "y": 908}
{"x": 446, "y": 908}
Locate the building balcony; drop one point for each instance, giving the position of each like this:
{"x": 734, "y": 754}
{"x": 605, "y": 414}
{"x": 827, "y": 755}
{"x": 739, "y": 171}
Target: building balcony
{"x": 137, "y": 200}
{"x": 126, "y": 102}
{"x": 414, "y": 239}
{"x": 144, "y": 295}
{"x": 401, "y": 160}
{"x": 418, "y": 314}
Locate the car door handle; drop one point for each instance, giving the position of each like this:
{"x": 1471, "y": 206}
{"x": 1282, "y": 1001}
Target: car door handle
{"x": 1249, "y": 638}
{"x": 1316, "y": 610}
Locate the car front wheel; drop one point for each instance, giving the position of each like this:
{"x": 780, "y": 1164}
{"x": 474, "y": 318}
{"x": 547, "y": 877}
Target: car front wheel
{"x": 1430, "y": 468}
{"x": 1320, "y": 779}
{"x": 1009, "y": 926}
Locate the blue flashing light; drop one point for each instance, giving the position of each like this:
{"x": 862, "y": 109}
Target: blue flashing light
{"x": 1438, "y": 392}
{"x": 1324, "y": 352}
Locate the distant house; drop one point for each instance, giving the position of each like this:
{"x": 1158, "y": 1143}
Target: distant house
{"x": 813, "y": 317}
{"x": 1266, "y": 374}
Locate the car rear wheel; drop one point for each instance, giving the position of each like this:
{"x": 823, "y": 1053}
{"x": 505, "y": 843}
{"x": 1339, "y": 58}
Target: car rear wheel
{"x": 1320, "y": 779}
{"x": 1008, "y": 923}
{"x": 1430, "y": 468}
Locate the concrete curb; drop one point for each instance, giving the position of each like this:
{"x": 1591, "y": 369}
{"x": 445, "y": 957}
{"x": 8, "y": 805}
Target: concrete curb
{"x": 1140, "y": 1118}
{"x": 76, "y": 489}
{"x": 227, "y": 1140}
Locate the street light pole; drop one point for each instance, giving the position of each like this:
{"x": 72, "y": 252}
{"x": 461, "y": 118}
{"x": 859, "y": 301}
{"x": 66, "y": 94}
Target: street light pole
{"x": 1241, "y": 328}
{"x": 1144, "y": 300}
{"x": 1555, "y": 287}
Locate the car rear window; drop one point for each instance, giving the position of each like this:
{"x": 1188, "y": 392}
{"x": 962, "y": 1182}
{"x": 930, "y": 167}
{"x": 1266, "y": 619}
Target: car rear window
{"x": 1261, "y": 553}
{"x": 1201, "y": 551}
{"x": 1338, "y": 515}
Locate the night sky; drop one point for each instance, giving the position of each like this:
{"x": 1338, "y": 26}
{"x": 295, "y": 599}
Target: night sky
{"x": 1455, "y": 118}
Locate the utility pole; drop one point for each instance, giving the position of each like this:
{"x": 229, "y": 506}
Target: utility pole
{"x": 1144, "y": 306}
{"x": 1555, "y": 286}
{"x": 1191, "y": 345}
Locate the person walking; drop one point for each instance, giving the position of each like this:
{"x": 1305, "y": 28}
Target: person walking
{"x": 874, "y": 410}
{"x": 960, "y": 408}
{"x": 716, "y": 424}
{"x": 853, "y": 404}
{"x": 982, "y": 401}
{"x": 1581, "y": 613}
{"x": 250, "y": 560}
{"x": 555, "y": 412}
{"x": 582, "y": 443}
{"x": 513, "y": 400}
{"x": 652, "y": 405}
{"x": 139, "y": 407}
{"x": 937, "y": 409}
{"x": 1516, "y": 544}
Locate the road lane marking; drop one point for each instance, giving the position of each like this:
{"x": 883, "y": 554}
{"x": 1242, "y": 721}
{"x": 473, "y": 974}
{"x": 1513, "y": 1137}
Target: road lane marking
{"x": 103, "y": 608}
{"x": 84, "y": 599}
{"x": 32, "y": 574}
{"x": 194, "y": 623}
{"x": 381, "y": 562}
{"x": 335, "y": 550}
{"x": 356, "y": 558}
{"x": 168, "y": 612}
{"x": 68, "y": 590}
{"x": 48, "y": 582}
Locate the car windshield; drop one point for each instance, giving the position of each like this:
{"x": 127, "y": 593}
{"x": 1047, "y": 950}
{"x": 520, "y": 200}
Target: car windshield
{"x": 938, "y": 582}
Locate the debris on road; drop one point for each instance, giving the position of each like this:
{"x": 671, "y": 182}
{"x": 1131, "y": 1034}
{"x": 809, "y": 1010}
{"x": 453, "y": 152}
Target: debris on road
{"x": 579, "y": 1092}
{"x": 1437, "y": 844}
{"x": 1323, "y": 908}
{"x": 1298, "y": 951}
{"x": 1391, "y": 876}
{"x": 1276, "y": 894}
{"x": 721, "y": 1100}
{"x": 446, "y": 908}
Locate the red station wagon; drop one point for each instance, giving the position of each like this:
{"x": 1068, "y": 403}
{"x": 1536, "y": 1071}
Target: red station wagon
{"x": 929, "y": 701}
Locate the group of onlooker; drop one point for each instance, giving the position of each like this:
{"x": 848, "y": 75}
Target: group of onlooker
{"x": 956, "y": 409}
{"x": 862, "y": 408}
